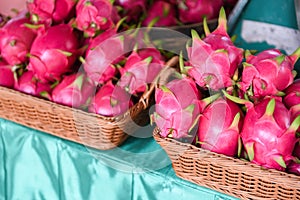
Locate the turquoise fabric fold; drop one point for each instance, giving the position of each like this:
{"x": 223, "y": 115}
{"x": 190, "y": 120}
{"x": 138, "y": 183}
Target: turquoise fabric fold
{"x": 38, "y": 166}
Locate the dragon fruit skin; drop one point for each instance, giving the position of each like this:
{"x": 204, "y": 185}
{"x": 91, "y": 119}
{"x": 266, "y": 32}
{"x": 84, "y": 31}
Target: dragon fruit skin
{"x": 162, "y": 12}
{"x": 292, "y": 94}
{"x": 49, "y": 57}
{"x": 294, "y": 168}
{"x": 110, "y": 101}
{"x": 95, "y": 15}
{"x": 16, "y": 40}
{"x": 74, "y": 91}
{"x": 103, "y": 52}
{"x": 29, "y": 84}
{"x": 215, "y": 59}
{"x": 6, "y": 75}
{"x": 140, "y": 69}
{"x": 220, "y": 133}
{"x": 177, "y": 108}
{"x": 49, "y": 11}
{"x": 268, "y": 73}
{"x": 268, "y": 134}
{"x": 132, "y": 9}
{"x": 193, "y": 11}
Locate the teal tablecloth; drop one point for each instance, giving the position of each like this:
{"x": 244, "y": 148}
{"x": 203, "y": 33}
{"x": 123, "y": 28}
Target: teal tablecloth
{"x": 38, "y": 166}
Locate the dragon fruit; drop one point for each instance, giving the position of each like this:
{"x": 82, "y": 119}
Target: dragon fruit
{"x": 177, "y": 108}
{"x": 268, "y": 73}
{"x": 100, "y": 59}
{"x": 294, "y": 167}
{"x": 16, "y": 40}
{"x": 93, "y": 16}
{"x": 292, "y": 94}
{"x": 74, "y": 90}
{"x": 110, "y": 101}
{"x": 132, "y": 9}
{"x": 221, "y": 133}
{"x": 215, "y": 59}
{"x": 49, "y": 11}
{"x": 193, "y": 11}
{"x": 6, "y": 75}
{"x": 49, "y": 56}
{"x": 269, "y": 133}
{"x": 29, "y": 84}
{"x": 160, "y": 14}
{"x": 140, "y": 69}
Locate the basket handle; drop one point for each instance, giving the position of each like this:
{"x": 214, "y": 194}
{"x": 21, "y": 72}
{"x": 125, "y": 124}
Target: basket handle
{"x": 146, "y": 96}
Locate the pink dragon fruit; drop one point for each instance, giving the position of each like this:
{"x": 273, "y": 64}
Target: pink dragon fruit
{"x": 219, "y": 132}
{"x": 132, "y": 9}
{"x": 93, "y": 16}
{"x": 294, "y": 168}
{"x": 29, "y": 84}
{"x": 49, "y": 11}
{"x": 110, "y": 101}
{"x": 177, "y": 108}
{"x": 49, "y": 56}
{"x": 269, "y": 133}
{"x": 292, "y": 94}
{"x": 74, "y": 90}
{"x": 193, "y": 11}
{"x": 140, "y": 69}
{"x": 295, "y": 111}
{"x": 16, "y": 40}
{"x": 215, "y": 59}
{"x": 268, "y": 73}
{"x": 100, "y": 59}
{"x": 160, "y": 14}
{"x": 6, "y": 75}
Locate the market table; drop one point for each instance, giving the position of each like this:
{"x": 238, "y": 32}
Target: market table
{"x": 36, "y": 165}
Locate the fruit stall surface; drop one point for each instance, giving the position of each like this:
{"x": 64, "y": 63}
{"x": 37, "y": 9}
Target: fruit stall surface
{"x": 37, "y": 165}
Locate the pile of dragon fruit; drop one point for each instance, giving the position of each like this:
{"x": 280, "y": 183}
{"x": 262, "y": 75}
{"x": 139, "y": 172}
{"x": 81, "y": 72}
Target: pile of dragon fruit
{"x": 232, "y": 101}
{"x": 165, "y": 13}
{"x": 70, "y": 53}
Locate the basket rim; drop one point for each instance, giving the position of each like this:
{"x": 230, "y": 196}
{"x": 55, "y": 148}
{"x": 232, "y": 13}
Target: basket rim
{"x": 263, "y": 171}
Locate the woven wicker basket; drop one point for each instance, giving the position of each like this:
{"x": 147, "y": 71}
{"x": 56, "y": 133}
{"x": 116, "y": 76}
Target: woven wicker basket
{"x": 228, "y": 175}
{"x": 90, "y": 129}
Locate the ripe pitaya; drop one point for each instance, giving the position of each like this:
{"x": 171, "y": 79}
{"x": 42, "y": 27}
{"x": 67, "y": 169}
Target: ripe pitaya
{"x": 160, "y": 13}
{"x": 215, "y": 59}
{"x": 177, "y": 108}
{"x": 49, "y": 56}
{"x": 16, "y": 40}
{"x": 193, "y": 11}
{"x": 29, "y": 84}
{"x": 48, "y": 11}
{"x": 74, "y": 90}
{"x": 141, "y": 68}
{"x": 292, "y": 94}
{"x": 269, "y": 133}
{"x": 132, "y": 9}
{"x": 268, "y": 73}
{"x": 219, "y": 127}
{"x": 93, "y": 16}
{"x": 110, "y": 101}
{"x": 6, "y": 75}
{"x": 104, "y": 50}
{"x": 294, "y": 167}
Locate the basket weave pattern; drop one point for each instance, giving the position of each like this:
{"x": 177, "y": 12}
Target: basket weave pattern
{"x": 228, "y": 175}
{"x": 75, "y": 125}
